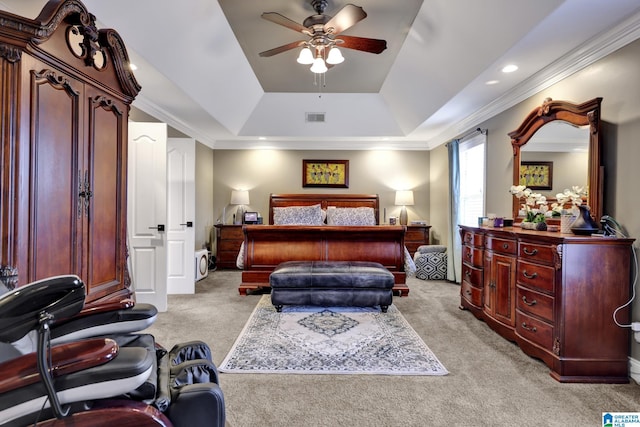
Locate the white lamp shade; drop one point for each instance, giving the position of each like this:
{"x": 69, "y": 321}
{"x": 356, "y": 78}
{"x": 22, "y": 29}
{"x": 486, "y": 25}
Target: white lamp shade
{"x": 319, "y": 66}
{"x": 305, "y": 57}
{"x": 335, "y": 56}
{"x": 404, "y": 198}
{"x": 239, "y": 197}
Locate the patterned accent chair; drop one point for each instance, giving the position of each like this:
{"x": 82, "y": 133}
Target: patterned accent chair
{"x": 431, "y": 262}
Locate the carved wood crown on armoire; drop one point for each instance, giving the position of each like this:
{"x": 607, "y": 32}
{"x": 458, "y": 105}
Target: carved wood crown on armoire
{"x": 66, "y": 94}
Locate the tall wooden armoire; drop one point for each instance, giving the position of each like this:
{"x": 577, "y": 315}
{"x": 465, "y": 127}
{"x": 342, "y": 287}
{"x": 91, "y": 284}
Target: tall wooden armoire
{"x": 66, "y": 90}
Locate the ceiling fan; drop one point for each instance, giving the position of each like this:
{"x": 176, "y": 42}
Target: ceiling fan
{"x": 324, "y": 36}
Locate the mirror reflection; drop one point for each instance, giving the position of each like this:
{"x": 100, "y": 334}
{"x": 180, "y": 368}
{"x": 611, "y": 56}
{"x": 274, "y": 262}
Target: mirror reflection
{"x": 557, "y": 147}
{"x": 556, "y": 158}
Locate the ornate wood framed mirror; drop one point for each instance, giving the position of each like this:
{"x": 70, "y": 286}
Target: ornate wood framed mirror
{"x": 575, "y": 148}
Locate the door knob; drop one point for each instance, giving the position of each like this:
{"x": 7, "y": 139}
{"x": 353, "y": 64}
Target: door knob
{"x": 160, "y": 227}
{"x": 188, "y": 224}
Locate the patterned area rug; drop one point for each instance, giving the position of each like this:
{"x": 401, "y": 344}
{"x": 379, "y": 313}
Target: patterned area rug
{"x": 334, "y": 340}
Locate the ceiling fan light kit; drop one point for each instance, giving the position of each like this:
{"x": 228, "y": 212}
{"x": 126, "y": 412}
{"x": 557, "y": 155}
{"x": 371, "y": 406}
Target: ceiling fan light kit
{"x": 324, "y": 34}
{"x": 305, "y": 57}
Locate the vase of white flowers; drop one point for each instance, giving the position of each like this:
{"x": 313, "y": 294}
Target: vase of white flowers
{"x": 574, "y": 214}
{"x": 534, "y": 208}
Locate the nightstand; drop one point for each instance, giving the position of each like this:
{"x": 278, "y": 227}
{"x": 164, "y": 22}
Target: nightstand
{"x": 416, "y": 235}
{"x": 229, "y": 238}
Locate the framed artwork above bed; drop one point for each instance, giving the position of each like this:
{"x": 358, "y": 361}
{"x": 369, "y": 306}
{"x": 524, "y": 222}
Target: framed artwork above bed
{"x": 325, "y": 173}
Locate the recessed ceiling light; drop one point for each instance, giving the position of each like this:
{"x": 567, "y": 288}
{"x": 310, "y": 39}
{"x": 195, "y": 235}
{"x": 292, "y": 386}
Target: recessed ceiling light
{"x": 262, "y": 138}
{"x": 509, "y": 68}
{"x": 132, "y": 66}
{"x": 492, "y": 82}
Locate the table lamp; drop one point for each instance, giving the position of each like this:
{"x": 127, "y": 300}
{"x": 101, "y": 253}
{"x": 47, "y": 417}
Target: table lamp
{"x": 241, "y": 198}
{"x": 404, "y": 198}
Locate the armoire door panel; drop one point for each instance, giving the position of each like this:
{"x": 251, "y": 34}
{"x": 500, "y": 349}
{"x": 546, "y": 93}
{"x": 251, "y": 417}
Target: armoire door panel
{"x": 54, "y": 175}
{"x": 104, "y": 214}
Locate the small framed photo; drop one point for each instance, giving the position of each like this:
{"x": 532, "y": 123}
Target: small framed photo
{"x": 250, "y": 218}
{"x": 325, "y": 173}
{"x": 537, "y": 175}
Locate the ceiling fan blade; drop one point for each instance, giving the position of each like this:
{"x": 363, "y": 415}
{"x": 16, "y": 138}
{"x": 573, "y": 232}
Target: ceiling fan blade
{"x": 276, "y": 18}
{"x": 362, "y": 43}
{"x": 345, "y": 18}
{"x": 283, "y": 48}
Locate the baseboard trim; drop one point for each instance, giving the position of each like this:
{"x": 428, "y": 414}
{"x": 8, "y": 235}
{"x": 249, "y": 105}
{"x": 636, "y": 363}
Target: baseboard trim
{"x": 634, "y": 369}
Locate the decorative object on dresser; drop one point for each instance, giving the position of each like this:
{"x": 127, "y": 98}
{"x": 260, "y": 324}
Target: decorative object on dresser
{"x": 404, "y": 198}
{"x": 584, "y": 224}
{"x": 228, "y": 241}
{"x": 66, "y": 93}
{"x": 554, "y": 295}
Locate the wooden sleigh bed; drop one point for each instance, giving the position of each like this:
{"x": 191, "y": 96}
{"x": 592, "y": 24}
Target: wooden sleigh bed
{"x": 266, "y": 246}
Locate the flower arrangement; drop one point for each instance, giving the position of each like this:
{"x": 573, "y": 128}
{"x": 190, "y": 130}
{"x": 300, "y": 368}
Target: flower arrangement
{"x": 535, "y": 205}
{"x": 573, "y": 196}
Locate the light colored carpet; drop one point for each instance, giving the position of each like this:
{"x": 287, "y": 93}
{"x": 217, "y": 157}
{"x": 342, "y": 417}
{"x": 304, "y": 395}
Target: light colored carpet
{"x": 490, "y": 381}
{"x": 329, "y": 340}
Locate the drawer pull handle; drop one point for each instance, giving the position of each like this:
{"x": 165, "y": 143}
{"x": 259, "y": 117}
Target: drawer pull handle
{"x": 529, "y": 276}
{"x": 524, "y": 299}
{"x": 505, "y": 246}
{"x": 468, "y": 292}
{"x": 467, "y": 273}
{"x": 528, "y": 252}
{"x": 529, "y": 328}
{"x": 469, "y": 255}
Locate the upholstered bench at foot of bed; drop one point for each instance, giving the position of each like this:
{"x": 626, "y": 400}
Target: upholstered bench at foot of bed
{"x": 331, "y": 283}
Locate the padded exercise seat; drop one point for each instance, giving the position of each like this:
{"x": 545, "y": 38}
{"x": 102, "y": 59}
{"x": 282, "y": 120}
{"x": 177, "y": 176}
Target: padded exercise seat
{"x": 431, "y": 262}
{"x": 331, "y": 283}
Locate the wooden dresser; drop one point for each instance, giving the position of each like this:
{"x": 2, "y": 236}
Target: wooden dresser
{"x": 416, "y": 235}
{"x": 229, "y": 238}
{"x": 554, "y": 295}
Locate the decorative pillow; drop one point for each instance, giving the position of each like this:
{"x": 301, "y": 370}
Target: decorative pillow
{"x": 240, "y": 257}
{"x": 351, "y": 216}
{"x": 409, "y": 263}
{"x": 298, "y": 215}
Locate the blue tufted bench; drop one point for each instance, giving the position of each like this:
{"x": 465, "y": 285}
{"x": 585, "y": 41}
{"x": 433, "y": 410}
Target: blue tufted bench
{"x": 331, "y": 284}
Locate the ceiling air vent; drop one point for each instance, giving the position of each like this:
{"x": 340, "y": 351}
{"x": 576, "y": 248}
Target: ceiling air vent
{"x": 314, "y": 117}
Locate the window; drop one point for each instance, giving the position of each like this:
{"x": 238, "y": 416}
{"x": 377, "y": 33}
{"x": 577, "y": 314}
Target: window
{"x": 472, "y": 179}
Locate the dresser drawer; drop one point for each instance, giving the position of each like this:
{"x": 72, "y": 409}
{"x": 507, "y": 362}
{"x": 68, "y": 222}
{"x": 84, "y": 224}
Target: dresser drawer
{"x": 535, "y": 303}
{"x": 537, "y": 276}
{"x": 534, "y": 330}
{"x": 503, "y": 246}
{"x": 473, "y": 239}
{"x": 233, "y": 233}
{"x": 472, "y": 275}
{"x": 471, "y": 294}
{"x": 536, "y": 253}
{"x": 471, "y": 255}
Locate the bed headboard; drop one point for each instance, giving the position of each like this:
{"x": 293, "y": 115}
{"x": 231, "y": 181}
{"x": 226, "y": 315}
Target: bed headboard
{"x": 325, "y": 200}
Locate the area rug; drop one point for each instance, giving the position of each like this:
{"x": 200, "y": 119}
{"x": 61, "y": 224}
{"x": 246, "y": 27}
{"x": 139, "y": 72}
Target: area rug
{"x": 329, "y": 340}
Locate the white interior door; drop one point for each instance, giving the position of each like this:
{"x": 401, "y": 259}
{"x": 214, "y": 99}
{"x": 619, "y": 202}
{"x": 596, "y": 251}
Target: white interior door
{"x": 147, "y": 212}
{"x": 181, "y": 212}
